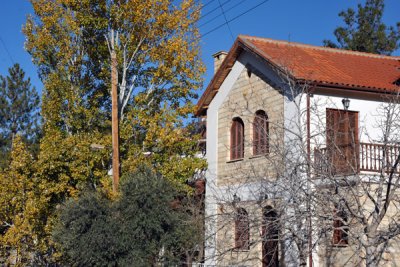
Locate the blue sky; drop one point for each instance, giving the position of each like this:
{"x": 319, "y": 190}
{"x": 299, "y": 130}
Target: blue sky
{"x": 306, "y": 21}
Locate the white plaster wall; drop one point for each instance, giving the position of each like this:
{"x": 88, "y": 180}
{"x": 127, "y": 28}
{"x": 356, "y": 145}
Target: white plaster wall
{"x": 368, "y": 115}
{"x": 212, "y": 191}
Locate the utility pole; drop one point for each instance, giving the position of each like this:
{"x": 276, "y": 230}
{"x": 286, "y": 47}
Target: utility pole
{"x": 114, "y": 121}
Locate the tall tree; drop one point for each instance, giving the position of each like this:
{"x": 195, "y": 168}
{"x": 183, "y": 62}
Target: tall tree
{"x": 16, "y": 206}
{"x": 364, "y": 30}
{"x": 19, "y": 110}
{"x": 156, "y": 44}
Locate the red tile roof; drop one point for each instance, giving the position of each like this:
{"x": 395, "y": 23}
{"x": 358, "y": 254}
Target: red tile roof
{"x": 317, "y": 65}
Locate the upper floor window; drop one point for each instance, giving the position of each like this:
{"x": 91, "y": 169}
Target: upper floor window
{"x": 342, "y": 141}
{"x": 260, "y": 133}
{"x": 242, "y": 229}
{"x": 237, "y": 139}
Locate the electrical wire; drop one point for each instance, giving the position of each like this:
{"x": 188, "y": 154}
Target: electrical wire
{"x": 212, "y": 11}
{"x": 226, "y": 11}
{"x": 234, "y": 18}
{"x": 7, "y": 51}
{"x": 206, "y": 4}
{"x": 226, "y": 20}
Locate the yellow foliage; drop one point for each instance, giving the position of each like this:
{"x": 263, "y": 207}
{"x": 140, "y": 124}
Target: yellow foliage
{"x": 158, "y": 49}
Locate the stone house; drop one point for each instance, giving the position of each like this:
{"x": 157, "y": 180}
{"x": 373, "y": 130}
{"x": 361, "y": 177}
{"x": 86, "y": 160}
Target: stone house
{"x": 293, "y": 131}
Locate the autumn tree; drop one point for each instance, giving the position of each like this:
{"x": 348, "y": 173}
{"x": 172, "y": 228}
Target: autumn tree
{"x": 364, "y": 30}
{"x": 156, "y": 45}
{"x": 19, "y": 110}
{"x": 16, "y": 206}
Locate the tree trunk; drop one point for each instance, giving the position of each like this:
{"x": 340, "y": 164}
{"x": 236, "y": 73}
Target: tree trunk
{"x": 115, "y": 122}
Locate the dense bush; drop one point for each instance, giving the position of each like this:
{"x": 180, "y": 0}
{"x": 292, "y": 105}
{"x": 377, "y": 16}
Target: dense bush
{"x": 141, "y": 228}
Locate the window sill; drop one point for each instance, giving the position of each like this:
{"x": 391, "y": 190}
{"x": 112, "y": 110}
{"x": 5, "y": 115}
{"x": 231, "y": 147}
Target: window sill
{"x": 238, "y": 250}
{"x": 259, "y": 156}
{"x": 234, "y": 160}
{"x": 339, "y": 246}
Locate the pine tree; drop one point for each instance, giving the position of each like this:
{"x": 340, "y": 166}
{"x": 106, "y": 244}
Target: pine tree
{"x": 19, "y": 110}
{"x": 364, "y": 30}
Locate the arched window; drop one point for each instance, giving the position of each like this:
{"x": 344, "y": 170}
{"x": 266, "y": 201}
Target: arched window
{"x": 260, "y": 133}
{"x": 340, "y": 227}
{"x": 242, "y": 229}
{"x": 237, "y": 139}
{"x": 270, "y": 240}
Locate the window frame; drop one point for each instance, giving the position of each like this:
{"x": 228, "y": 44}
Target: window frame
{"x": 270, "y": 237}
{"x": 340, "y": 235}
{"x": 242, "y": 230}
{"x": 260, "y": 133}
{"x": 237, "y": 139}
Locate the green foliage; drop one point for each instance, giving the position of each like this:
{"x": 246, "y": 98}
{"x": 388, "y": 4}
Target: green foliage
{"x": 364, "y": 30}
{"x": 159, "y": 72}
{"x": 94, "y": 231}
{"x": 19, "y": 111}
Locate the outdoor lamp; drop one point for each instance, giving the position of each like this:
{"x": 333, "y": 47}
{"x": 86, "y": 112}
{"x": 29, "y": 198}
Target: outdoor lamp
{"x": 236, "y": 199}
{"x": 346, "y": 103}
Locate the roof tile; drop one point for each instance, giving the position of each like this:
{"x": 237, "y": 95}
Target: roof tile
{"x": 330, "y": 66}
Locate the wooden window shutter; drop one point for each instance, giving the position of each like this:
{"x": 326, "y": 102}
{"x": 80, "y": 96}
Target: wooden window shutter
{"x": 270, "y": 238}
{"x": 340, "y": 227}
{"x": 260, "y": 133}
{"x": 242, "y": 229}
{"x": 237, "y": 139}
{"x": 342, "y": 141}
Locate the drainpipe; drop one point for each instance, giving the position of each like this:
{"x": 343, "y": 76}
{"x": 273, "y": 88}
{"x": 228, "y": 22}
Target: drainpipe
{"x": 310, "y": 258}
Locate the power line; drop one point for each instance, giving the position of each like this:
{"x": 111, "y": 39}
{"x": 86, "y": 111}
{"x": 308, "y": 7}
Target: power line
{"x": 211, "y": 11}
{"x": 235, "y": 18}
{"x": 206, "y": 4}
{"x": 226, "y": 11}
{"x": 227, "y": 23}
{"x": 6, "y": 49}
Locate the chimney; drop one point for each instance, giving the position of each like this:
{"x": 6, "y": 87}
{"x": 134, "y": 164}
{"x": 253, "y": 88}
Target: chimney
{"x": 218, "y": 59}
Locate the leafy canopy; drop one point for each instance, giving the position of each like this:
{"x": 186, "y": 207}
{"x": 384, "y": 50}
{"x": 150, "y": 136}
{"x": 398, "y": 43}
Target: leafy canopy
{"x": 156, "y": 43}
{"x": 364, "y": 30}
{"x": 17, "y": 205}
{"x": 133, "y": 230}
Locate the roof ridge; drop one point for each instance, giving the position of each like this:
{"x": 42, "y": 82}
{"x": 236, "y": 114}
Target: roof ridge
{"x": 328, "y": 49}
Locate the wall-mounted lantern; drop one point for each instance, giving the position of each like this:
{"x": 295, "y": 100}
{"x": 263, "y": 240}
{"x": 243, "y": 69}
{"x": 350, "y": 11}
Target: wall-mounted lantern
{"x": 346, "y": 103}
{"x": 236, "y": 199}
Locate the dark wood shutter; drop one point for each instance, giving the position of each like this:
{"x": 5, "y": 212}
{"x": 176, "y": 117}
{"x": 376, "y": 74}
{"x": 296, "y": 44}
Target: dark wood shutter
{"x": 342, "y": 141}
{"x": 260, "y": 133}
{"x": 270, "y": 238}
{"x": 242, "y": 230}
{"x": 340, "y": 228}
{"x": 237, "y": 139}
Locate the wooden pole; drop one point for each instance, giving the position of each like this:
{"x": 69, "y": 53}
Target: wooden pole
{"x": 115, "y": 122}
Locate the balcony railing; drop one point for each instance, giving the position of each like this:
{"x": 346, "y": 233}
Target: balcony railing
{"x": 364, "y": 157}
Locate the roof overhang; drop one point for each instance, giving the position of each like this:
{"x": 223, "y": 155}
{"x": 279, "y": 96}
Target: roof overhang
{"x": 243, "y": 44}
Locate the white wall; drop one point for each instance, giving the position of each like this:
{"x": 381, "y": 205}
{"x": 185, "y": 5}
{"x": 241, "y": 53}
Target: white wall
{"x": 369, "y": 114}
